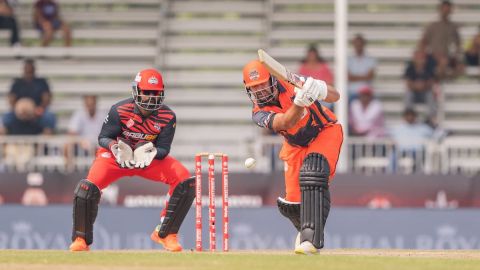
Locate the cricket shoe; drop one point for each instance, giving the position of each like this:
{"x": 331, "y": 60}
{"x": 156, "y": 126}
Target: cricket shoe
{"x": 306, "y": 248}
{"x": 79, "y": 245}
{"x": 170, "y": 242}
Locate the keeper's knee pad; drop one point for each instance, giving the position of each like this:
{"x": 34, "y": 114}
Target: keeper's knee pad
{"x": 178, "y": 206}
{"x": 85, "y": 208}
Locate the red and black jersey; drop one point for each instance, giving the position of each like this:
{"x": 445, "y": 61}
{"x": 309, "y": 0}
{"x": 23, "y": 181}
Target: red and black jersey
{"x": 124, "y": 120}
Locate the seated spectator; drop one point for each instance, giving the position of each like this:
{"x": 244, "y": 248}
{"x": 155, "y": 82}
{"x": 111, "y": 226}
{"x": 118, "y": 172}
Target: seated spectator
{"x": 442, "y": 40}
{"x": 366, "y": 115}
{"x": 24, "y": 121}
{"x": 87, "y": 121}
{"x": 30, "y": 86}
{"x": 410, "y": 134}
{"x": 313, "y": 65}
{"x": 47, "y": 19}
{"x": 472, "y": 54}
{"x": 419, "y": 76}
{"x": 8, "y": 21}
{"x": 410, "y": 139}
{"x": 361, "y": 68}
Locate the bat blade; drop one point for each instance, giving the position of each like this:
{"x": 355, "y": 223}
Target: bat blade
{"x": 278, "y": 70}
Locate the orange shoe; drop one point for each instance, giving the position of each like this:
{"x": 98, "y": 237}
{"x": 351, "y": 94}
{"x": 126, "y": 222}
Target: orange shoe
{"x": 170, "y": 242}
{"x": 79, "y": 245}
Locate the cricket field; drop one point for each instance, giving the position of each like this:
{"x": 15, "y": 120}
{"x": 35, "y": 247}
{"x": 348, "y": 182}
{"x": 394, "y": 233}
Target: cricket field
{"x": 346, "y": 259}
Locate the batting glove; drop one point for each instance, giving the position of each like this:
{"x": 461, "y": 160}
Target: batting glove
{"x": 316, "y": 89}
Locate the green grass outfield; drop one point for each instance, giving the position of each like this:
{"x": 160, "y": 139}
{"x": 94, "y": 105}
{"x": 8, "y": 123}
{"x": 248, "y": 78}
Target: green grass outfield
{"x": 328, "y": 259}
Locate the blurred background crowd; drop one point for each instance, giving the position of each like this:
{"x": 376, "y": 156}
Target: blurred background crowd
{"x": 413, "y": 77}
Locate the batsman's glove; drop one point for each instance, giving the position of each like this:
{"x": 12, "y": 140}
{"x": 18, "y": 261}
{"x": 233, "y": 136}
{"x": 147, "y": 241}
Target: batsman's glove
{"x": 316, "y": 89}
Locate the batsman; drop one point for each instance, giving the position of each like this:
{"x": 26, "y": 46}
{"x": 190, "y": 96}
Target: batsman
{"x": 135, "y": 140}
{"x": 312, "y": 142}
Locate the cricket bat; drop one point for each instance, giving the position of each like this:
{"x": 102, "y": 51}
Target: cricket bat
{"x": 278, "y": 70}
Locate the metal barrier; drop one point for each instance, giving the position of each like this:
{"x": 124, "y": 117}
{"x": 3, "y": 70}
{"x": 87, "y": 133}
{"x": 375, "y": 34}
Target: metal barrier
{"x": 451, "y": 155}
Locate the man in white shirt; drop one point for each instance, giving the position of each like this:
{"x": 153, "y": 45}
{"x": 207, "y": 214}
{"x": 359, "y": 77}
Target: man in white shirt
{"x": 366, "y": 115}
{"x": 87, "y": 121}
{"x": 361, "y": 68}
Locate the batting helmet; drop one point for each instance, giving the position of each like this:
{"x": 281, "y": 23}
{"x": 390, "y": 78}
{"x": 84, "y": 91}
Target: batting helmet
{"x": 255, "y": 73}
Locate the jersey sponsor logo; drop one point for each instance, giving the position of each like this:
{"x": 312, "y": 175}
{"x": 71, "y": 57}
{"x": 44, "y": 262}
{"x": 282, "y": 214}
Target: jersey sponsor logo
{"x": 153, "y": 80}
{"x": 254, "y": 75}
{"x": 139, "y": 136}
{"x": 130, "y": 123}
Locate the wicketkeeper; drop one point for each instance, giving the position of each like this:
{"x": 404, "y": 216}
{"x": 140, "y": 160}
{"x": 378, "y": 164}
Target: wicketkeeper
{"x": 310, "y": 150}
{"x": 135, "y": 140}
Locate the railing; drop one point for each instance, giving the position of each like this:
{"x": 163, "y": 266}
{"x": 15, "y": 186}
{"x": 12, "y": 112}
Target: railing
{"x": 45, "y": 153}
{"x": 452, "y": 155}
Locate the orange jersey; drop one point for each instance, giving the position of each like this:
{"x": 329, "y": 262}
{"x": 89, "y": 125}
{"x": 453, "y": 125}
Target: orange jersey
{"x": 316, "y": 132}
{"x": 315, "y": 118}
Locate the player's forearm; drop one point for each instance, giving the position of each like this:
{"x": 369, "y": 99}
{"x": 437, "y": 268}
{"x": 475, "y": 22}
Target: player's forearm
{"x": 162, "y": 153}
{"x": 287, "y": 120}
{"x": 332, "y": 94}
{"x": 105, "y": 142}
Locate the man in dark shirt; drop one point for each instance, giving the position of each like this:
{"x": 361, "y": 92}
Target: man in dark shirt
{"x": 46, "y": 15}
{"x": 420, "y": 78}
{"x": 8, "y": 21}
{"x": 23, "y": 120}
{"x": 135, "y": 140}
{"x": 31, "y": 86}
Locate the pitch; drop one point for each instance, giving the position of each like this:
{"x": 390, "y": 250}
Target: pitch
{"x": 278, "y": 260}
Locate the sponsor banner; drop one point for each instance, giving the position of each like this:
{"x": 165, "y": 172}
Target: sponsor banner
{"x": 251, "y": 190}
{"x": 129, "y": 228}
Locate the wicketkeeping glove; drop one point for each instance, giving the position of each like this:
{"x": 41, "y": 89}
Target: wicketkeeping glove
{"x": 144, "y": 154}
{"x": 123, "y": 154}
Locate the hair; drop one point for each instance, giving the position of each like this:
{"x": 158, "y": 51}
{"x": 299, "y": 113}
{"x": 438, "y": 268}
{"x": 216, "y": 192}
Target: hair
{"x": 313, "y": 48}
{"x": 361, "y": 37}
{"x": 409, "y": 110}
{"x": 446, "y": 2}
{"x": 29, "y": 61}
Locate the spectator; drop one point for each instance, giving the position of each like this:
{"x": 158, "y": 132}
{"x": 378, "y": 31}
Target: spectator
{"x": 47, "y": 19}
{"x": 313, "y": 65}
{"x": 8, "y": 21}
{"x": 87, "y": 121}
{"x": 472, "y": 54}
{"x": 366, "y": 115}
{"x": 30, "y": 86}
{"x": 24, "y": 121}
{"x": 442, "y": 40}
{"x": 410, "y": 135}
{"x": 361, "y": 68}
{"x": 419, "y": 76}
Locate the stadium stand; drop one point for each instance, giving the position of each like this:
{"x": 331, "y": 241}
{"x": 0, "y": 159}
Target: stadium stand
{"x": 200, "y": 45}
